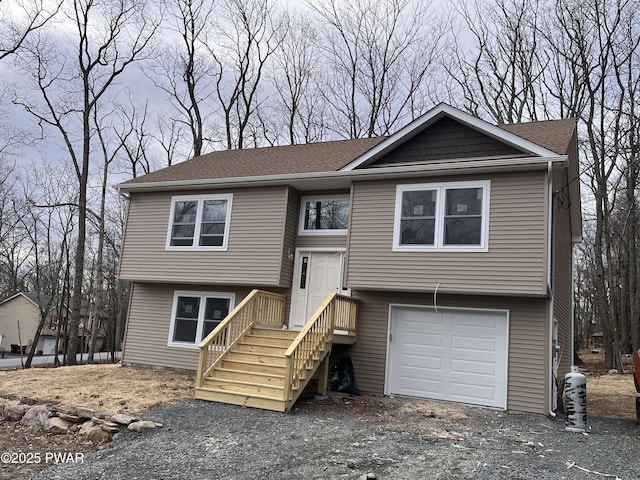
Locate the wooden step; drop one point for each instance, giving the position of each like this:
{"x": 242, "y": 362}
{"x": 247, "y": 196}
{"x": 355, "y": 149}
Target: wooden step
{"x": 275, "y": 333}
{"x": 254, "y": 401}
{"x": 271, "y": 379}
{"x": 253, "y": 348}
{"x": 259, "y": 358}
{"x": 251, "y": 367}
{"x": 248, "y": 388}
{"x": 268, "y": 340}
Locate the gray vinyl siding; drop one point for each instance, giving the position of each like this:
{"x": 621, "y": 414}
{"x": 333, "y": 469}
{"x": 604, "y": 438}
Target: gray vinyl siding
{"x": 148, "y": 323}
{"x": 290, "y": 230}
{"x": 528, "y": 333}
{"x": 447, "y": 139}
{"x": 562, "y": 272}
{"x": 255, "y": 244}
{"x": 514, "y": 265}
{"x": 321, "y": 241}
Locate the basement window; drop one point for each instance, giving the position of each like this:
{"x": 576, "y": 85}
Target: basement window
{"x": 195, "y": 314}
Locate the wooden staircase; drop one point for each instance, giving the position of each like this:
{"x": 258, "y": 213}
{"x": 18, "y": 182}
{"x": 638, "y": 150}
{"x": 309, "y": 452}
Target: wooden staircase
{"x": 250, "y": 360}
{"x": 252, "y": 373}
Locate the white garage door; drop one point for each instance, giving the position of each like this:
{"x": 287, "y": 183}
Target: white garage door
{"x": 452, "y": 354}
{"x": 49, "y": 346}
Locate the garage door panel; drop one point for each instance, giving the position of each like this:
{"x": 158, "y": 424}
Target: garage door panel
{"x": 422, "y": 339}
{"x": 464, "y": 392}
{"x": 473, "y": 344}
{"x": 408, "y": 316}
{"x": 432, "y": 387}
{"x": 471, "y": 320}
{"x": 462, "y": 367}
{"x": 431, "y": 363}
{"x": 456, "y": 355}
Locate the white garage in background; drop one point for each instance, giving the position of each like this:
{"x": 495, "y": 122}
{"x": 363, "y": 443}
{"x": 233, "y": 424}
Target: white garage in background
{"x": 451, "y": 354}
{"x": 49, "y": 346}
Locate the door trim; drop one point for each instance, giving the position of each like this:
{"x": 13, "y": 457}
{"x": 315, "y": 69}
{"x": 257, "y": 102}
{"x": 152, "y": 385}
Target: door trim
{"x": 296, "y": 275}
{"x": 507, "y": 312}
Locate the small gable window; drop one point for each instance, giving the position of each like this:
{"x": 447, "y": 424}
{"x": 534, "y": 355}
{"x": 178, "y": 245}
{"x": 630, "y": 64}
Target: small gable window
{"x": 450, "y": 216}
{"x": 324, "y": 215}
{"x": 200, "y": 222}
{"x": 196, "y": 314}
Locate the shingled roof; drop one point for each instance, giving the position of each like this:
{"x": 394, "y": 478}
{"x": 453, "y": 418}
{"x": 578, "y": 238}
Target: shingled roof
{"x": 312, "y": 157}
{"x": 554, "y": 135}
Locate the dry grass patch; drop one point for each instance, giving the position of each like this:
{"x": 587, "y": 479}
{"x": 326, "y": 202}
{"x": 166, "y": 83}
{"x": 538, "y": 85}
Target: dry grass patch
{"x": 611, "y": 396}
{"x": 107, "y": 388}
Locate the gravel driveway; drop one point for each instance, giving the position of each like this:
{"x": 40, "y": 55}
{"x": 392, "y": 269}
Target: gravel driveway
{"x": 350, "y": 438}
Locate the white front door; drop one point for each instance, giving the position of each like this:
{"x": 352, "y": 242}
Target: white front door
{"x": 317, "y": 275}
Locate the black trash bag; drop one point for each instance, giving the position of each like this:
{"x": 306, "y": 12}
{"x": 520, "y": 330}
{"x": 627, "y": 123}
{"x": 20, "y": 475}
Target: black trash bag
{"x": 343, "y": 377}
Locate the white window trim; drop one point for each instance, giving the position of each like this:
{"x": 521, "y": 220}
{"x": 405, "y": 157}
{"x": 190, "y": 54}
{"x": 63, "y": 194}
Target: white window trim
{"x": 231, "y": 296}
{"x": 304, "y": 200}
{"x": 438, "y": 245}
{"x": 196, "y": 235}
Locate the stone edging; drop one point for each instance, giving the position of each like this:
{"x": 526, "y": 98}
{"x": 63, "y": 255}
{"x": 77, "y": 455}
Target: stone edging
{"x": 97, "y": 427}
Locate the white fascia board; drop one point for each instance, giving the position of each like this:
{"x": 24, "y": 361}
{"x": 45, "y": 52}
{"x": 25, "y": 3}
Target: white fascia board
{"x": 456, "y": 167}
{"x": 463, "y": 117}
{"x": 18, "y": 295}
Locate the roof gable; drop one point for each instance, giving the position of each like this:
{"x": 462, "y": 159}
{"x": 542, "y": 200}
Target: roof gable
{"x": 502, "y": 136}
{"x": 18, "y": 295}
{"x": 446, "y": 139}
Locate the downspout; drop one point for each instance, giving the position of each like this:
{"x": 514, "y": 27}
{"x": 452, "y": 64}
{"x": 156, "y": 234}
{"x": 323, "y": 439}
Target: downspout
{"x": 551, "y": 351}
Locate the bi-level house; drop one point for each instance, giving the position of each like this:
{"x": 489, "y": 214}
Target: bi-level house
{"x": 439, "y": 259}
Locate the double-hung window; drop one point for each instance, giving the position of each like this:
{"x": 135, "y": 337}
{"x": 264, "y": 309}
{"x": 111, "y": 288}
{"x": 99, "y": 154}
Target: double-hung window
{"x": 449, "y": 216}
{"x": 196, "y": 314}
{"x": 324, "y": 215}
{"x": 200, "y": 222}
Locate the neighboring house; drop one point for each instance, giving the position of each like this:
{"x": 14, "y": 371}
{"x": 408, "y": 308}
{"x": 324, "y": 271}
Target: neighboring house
{"x": 22, "y": 310}
{"x": 454, "y": 235}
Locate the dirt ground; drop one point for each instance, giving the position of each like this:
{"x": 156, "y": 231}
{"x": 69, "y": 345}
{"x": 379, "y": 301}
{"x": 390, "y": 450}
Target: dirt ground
{"x": 102, "y": 388}
{"x": 114, "y": 389}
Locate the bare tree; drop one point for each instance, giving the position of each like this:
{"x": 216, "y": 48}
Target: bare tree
{"x": 48, "y": 224}
{"x": 380, "y": 54}
{"x": 500, "y": 75}
{"x": 184, "y": 71}
{"x": 109, "y": 152}
{"x": 598, "y": 58}
{"x": 19, "y": 18}
{"x": 295, "y": 74}
{"x": 134, "y": 138}
{"x": 247, "y": 34}
{"x": 71, "y": 81}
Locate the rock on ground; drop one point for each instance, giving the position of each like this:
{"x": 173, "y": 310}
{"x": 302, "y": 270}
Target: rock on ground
{"x": 36, "y": 416}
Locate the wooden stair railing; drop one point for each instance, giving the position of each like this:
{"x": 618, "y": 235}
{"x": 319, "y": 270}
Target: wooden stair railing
{"x": 313, "y": 344}
{"x": 258, "y": 308}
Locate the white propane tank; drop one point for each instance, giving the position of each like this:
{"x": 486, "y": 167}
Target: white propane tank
{"x": 575, "y": 401}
